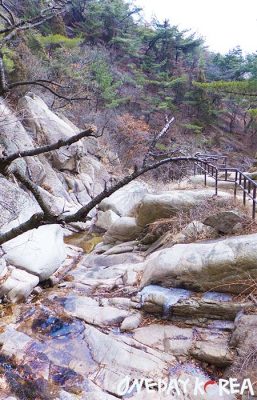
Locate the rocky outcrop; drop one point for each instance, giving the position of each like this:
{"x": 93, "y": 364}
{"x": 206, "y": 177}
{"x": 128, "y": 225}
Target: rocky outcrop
{"x": 41, "y": 252}
{"x": 83, "y": 337}
{"x": 16, "y": 285}
{"x": 180, "y": 303}
{"x": 198, "y": 342}
{"x": 206, "y": 265}
{"x": 89, "y": 310}
{"x": 16, "y": 206}
{"x": 46, "y": 128}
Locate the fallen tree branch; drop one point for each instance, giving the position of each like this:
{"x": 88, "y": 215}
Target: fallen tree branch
{"x": 35, "y": 190}
{"x": 34, "y": 222}
{"x": 5, "y": 161}
{"x": 82, "y": 212}
{"x": 41, "y": 218}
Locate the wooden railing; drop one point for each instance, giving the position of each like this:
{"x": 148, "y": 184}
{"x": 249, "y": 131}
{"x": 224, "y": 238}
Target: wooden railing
{"x": 210, "y": 165}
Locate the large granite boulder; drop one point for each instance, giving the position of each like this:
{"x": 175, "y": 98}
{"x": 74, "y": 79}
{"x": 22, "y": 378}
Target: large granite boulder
{"x": 15, "y": 138}
{"x": 46, "y": 127}
{"x": 39, "y": 252}
{"x": 165, "y": 205}
{"x": 221, "y": 264}
{"x": 124, "y": 201}
{"x": 105, "y": 219}
{"x": 123, "y": 230}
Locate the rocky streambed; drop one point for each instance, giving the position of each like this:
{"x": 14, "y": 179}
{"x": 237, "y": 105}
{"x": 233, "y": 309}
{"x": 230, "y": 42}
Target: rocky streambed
{"x": 163, "y": 317}
{"x": 81, "y": 338}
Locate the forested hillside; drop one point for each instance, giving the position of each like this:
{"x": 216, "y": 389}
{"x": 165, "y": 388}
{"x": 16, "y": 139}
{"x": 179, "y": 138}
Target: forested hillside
{"x": 128, "y": 76}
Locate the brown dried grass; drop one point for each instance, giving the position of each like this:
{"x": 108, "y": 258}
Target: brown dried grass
{"x": 175, "y": 224}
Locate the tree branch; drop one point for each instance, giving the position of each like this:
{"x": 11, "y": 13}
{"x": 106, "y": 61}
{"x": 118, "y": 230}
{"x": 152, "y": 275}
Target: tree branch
{"x": 158, "y": 137}
{"x": 40, "y": 82}
{"x": 34, "y": 189}
{"x": 44, "y": 16}
{"x": 41, "y": 219}
{"x": 82, "y": 213}
{"x": 5, "y": 161}
{"x": 34, "y": 222}
{"x": 11, "y": 19}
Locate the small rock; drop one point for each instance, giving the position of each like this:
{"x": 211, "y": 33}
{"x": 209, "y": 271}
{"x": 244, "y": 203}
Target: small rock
{"x": 132, "y": 322}
{"x": 88, "y": 309}
{"x": 224, "y": 221}
{"x": 124, "y": 229}
{"x": 105, "y": 219}
{"x": 18, "y": 285}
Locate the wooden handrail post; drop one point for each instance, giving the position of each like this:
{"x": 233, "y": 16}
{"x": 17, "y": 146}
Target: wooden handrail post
{"x": 216, "y": 181}
{"x": 244, "y": 194}
{"x": 235, "y": 188}
{"x": 254, "y": 201}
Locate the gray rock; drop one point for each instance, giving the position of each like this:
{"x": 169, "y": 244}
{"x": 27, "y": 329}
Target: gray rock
{"x": 105, "y": 219}
{"x": 157, "y": 206}
{"x": 39, "y": 251}
{"x": 89, "y": 310}
{"x": 244, "y": 340}
{"x": 213, "y": 353}
{"x": 48, "y": 127}
{"x": 16, "y": 206}
{"x": 131, "y": 322}
{"x": 117, "y": 359}
{"x": 124, "y": 201}
{"x": 18, "y": 285}
{"x": 124, "y": 229}
{"x": 224, "y": 221}
{"x": 182, "y": 303}
{"x": 203, "y": 344}
{"x": 210, "y": 182}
